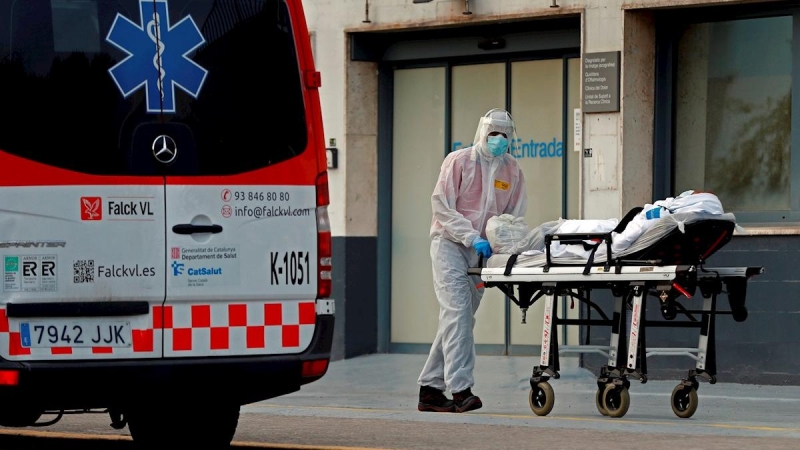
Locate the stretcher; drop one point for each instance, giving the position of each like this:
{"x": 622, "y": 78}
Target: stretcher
{"x": 667, "y": 263}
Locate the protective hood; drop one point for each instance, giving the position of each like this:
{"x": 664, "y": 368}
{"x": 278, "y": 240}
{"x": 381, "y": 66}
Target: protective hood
{"x": 494, "y": 120}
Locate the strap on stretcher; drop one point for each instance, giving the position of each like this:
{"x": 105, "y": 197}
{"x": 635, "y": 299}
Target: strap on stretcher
{"x": 510, "y": 264}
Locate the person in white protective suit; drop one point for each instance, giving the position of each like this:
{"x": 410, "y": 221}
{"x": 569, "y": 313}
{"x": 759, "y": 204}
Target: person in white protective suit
{"x": 474, "y": 184}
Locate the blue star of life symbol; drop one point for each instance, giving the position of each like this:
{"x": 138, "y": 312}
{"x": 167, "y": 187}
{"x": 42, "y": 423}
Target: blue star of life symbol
{"x": 157, "y": 56}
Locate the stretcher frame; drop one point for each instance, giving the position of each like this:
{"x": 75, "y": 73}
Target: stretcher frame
{"x": 630, "y": 281}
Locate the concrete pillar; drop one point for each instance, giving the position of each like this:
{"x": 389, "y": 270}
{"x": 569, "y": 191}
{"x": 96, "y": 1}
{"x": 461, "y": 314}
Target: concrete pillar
{"x": 637, "y": 104}
{"x": 618, "y": 176}
{"x": 361, "y": 132}
{"x": 601, "y": 32}
{"x": 356, "y": 251}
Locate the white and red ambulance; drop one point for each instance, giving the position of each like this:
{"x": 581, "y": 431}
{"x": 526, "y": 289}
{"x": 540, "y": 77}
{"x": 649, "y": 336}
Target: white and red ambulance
{"x": 164, "y": 231}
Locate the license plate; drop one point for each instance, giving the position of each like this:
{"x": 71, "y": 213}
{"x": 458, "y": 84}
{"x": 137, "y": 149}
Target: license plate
{"x": 75, "y": 333}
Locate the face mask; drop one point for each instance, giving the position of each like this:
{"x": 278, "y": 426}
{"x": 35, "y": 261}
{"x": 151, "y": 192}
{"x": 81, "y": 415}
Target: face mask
{"x": 497, "y": 145}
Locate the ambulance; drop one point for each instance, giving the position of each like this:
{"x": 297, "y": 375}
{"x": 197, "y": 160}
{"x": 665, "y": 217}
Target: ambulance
{"x": 164, "y": 233}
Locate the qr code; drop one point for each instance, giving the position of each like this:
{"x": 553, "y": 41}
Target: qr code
{"x": 83, "y": 271}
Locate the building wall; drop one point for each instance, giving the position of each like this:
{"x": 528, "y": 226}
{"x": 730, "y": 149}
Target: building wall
{"x": 616, "y": 178}
{"x": 605, "y": 23}
{"x": 330, "y": 22}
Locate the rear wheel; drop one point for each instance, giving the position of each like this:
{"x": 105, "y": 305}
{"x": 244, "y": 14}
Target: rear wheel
{"x": 18, "y": 417}
{"x": 197, "y": 426}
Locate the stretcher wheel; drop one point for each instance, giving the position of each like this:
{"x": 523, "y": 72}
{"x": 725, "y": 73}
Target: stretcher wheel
{"x": 684, "y": 401}
{"x": 616, "y": 400}
{"x": 542, "y": 398}
{"x": 598, "y": 402}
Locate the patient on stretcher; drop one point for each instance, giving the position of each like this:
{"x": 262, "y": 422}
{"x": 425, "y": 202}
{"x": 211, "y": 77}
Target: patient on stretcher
{"x": 509, "y": 235}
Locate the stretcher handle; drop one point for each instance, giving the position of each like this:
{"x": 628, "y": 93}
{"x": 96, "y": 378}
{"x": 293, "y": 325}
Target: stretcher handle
{"x": 576, "y": 238}
{"x": 580, "y": 239}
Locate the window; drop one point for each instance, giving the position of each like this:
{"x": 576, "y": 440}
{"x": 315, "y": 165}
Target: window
{"x": 725, "y": 112}
{"x": 61, "y": 105}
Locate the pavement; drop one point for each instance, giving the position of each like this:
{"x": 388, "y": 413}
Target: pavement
{"x": 370, "y": 402}
{"x": 383, "y": 386}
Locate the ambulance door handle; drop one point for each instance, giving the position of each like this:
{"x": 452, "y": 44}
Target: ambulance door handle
{"x": 187, "y": 228}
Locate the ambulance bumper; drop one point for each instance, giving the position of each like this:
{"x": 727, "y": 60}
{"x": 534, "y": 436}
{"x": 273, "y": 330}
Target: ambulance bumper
{"x": 101, "y": 384}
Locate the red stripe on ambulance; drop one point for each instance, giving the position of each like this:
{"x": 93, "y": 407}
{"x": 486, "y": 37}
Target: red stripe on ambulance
{"x": 236, "y": 328}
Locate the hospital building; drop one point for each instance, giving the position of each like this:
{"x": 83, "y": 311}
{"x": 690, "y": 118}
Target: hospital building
{"x": 618, "y": 103}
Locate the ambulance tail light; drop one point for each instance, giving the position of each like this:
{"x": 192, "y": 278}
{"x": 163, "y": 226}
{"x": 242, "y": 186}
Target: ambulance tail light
{"x": 324, "y": 242}
{"x": 314, "y": 368}
{"x": 9, "y": 377}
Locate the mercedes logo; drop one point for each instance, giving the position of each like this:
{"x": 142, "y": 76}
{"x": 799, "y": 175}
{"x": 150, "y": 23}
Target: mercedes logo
{"x": 164, "y": 149}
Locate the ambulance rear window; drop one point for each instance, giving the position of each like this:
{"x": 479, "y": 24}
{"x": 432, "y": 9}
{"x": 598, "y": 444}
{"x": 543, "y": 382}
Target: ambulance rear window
{"x": 91, "y": 85}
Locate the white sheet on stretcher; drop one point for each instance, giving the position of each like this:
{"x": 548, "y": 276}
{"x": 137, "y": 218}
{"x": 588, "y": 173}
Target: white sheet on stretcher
{"x": 577, "y": 254}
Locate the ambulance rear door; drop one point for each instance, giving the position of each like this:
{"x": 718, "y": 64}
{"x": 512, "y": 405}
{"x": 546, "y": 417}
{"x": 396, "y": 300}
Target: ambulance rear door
{"x": 241, "y": 195}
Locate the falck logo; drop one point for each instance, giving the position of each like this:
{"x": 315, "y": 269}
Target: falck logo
{"x": 91, "y": 208}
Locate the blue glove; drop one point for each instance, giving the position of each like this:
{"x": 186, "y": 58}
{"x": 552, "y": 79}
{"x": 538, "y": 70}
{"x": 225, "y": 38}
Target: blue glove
{"x": 482, "y": 246}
